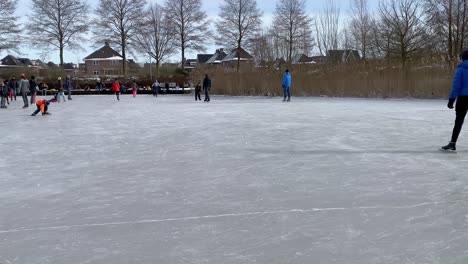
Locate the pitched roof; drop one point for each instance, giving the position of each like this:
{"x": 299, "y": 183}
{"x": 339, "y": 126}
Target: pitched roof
{"x": 69, "y": 66}
{"x": 51, "y": 64}
{"x": 105, "y": 52}
{"x": 279, "y": 62}
{"x": 343, "y": 55}
{"x": 26, "y": 61}
{"x": 202, "y": 58}
{"x": 217, "y": 57}
{"x": 10, "y": 60}
{"x": 238, "y": 53}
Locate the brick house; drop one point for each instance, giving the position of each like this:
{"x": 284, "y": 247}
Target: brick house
{"x": 103, "y": 62}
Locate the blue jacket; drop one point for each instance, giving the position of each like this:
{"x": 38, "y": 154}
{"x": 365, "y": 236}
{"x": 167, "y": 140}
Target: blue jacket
{"x": 287, "y": 80}
{"x": 460, "y": 81}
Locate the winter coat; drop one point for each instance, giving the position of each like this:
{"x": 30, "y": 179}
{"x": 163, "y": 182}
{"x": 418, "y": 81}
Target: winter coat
{"x": 198, "y": 88}
{"x": 115, "y": 87}
{"x": 12, "y": 85}
{"x": 68, "y": 85}
{"x": 32, "y": 86}
{"x": 60, "y": 86}
{"x": 42, "y": 104}
{"x": 286, "y": 80}
{"x": 206, "y": 83}
{"x": 24, "y": 85}
{"x": 134, "y": 86}
{"x": 4, "y": 90}
{"x": 460, "y": 81}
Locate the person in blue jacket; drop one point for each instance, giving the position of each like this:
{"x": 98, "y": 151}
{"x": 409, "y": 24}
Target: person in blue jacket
{"x": 460, "y": 94}
{"x": 287, "y": 85}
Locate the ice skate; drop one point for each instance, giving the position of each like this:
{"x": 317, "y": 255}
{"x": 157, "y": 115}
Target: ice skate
{"x": 450, "y": 147}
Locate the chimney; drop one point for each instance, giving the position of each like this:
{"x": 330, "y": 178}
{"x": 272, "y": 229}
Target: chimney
{"x": 106, "y": 44}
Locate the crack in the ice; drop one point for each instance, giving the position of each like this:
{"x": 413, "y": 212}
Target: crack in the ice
{"x": 225, "y": 215}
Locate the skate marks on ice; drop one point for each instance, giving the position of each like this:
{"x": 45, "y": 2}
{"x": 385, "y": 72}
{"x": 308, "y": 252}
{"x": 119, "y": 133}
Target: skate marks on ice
{"x": 195, "y": 218}
{"x": 351, "y": 152}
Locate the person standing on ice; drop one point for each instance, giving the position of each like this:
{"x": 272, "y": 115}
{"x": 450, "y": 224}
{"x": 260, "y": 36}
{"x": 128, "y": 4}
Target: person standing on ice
{"x": 207, "y": 87}
{"x": 287, "y": 85}
{"x": 68, "y": 86}
{"x": 134, "y": 88}
{"x": 3, "y": 94}
{"x": 197, "y": 91}
{"x": 24, "y": 89}
{"x": 460, "y": 94}
{"x": 116, "y": 89}
{"x": 33, "y": 89}
{"x": 13, "y": 85}
{"x": 60, "y": 93}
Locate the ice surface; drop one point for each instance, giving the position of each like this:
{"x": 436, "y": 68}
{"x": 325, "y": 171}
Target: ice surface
{"x": 238, "y": 180}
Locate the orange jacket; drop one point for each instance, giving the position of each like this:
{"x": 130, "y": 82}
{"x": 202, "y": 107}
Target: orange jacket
{"x": 42, "y": 104}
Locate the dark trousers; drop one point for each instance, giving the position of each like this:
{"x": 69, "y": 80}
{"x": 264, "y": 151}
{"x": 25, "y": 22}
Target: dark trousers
{"x": 197, "y": 95}
{"x": 39, "y": 109}
{"x": 118, "y": 95}
{"x": 207, "y": 95}
{"x": 461, "y": 109}
{"x": 69, "y": 94}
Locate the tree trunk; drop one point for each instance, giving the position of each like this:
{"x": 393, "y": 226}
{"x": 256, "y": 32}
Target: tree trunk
{"x": 157, "y": 69}
{"x": 124, "y": 57}
{"x": 183, "y": 56}
{"x": 61, "y": 54}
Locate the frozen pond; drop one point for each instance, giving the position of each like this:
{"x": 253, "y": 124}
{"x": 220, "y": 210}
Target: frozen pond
{"x": 238, "y": 180}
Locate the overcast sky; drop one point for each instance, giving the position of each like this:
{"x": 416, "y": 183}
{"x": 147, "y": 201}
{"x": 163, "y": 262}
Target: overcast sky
{"x": 211, "y": 7}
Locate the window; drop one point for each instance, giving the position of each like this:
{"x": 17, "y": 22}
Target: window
{"x": 95, "y": 72}
{"x": 113, "y": 62}
{"x": 95, "y": 62}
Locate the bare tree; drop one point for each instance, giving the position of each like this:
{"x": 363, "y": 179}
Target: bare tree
{"x": 361, "y": 25}
{"x": 294, "y": 26}
{"x": 156, "y": 38}
{"x": 9, "y": 29}
{"x": 327, "y": 27}
{"x": 239, "y": 21}
{"x": 118, "y": 22}
{"x": 190, "y": 24}
{"x": 262, "y": 46}
{"x": 58, "y": 23}
{"x": 448, "y": 20}
{"x": 406, "y": 32}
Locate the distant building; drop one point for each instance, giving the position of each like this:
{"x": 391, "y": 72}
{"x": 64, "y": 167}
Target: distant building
{"x": 304, "y": 59}
{"x": 233, "y": 57}
{"x": 103, "y": 62}
{"x": 343, "y": 56}
{"x": 203, "y": 58}
{"x": 217, "y": 58}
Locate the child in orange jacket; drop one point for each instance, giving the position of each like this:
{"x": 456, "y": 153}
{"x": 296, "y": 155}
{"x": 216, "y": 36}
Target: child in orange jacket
{"x": 41, "y": 107}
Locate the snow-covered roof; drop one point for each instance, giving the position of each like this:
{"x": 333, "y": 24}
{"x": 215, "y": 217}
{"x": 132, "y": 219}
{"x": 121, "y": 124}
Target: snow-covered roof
{"x": 106, "y": 59}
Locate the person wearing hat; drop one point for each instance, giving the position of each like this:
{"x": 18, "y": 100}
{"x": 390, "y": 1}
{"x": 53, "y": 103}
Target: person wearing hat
{"x": 24, "y": 89}
{"x": 287, "y": 85}
{"x": 460, "y": 95}
{"x": 42, "y": 106}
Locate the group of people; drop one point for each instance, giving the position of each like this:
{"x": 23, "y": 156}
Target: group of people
{"x": 206, "y": 88}
{"x": 9, "y": 89}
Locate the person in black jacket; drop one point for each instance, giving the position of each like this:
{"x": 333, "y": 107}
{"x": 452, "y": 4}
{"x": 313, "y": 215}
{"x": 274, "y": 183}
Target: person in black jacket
{"x": 33, "y": 89}
{"x": 207, "y": 87}
{"x": 197, "y": 92}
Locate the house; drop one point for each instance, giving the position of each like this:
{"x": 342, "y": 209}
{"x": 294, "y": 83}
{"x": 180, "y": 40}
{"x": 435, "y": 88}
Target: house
{"x": 233, "y": 57}
{"x": 217, "y": 58}
{"x": 71, "y": 69}
{"x": 279, "y": 63}
{"x": 11, "y": 62}
{"x": 203, "y": 58}
{"x": 104, "y": 62}
{"x": 189, "y": 64}
{"x": 343, "y": 56}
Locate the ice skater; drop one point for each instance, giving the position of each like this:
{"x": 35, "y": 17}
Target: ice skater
{"x": 460, "y": 94}
{"x": 198, "y": 89}
{"x": 134, "y": 88}
{"x": 155, "y": 88}
{"x": 207, "y": 87}
{"x": 287, "y": 86}
{"x": 60, "y": 93}
{"x": 13, "y": 85}
{"x": 3, "y": 94}
{"x": 33, "y": 89}
{"x": 116, "y": 89}
{"x": 24, "y": 89}
{"x": 68, "y": 87}
{"x": 42, "y": 106}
